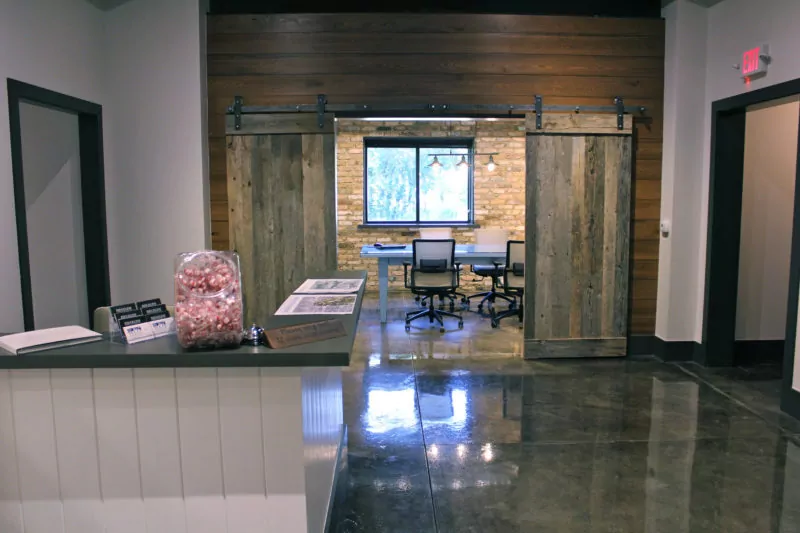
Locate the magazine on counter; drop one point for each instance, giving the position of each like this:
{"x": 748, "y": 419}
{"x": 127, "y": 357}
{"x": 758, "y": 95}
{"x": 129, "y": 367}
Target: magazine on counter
{"x": 330, "y": 286}
{"x": 47, "y": 339}
{"x": 314, "y": 304}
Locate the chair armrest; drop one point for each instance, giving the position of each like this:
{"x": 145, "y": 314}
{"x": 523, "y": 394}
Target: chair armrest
{"x": 497, "y": 264}
{"x": 457, "y": 268}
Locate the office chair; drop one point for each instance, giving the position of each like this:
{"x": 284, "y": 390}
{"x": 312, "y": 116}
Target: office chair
{"x": 433, "y": 272}
{"x": 490, "y": 236}
{"x": 435, "y": 233}
{"x": 513, "y": 282}
{"x": 438, "y": 234}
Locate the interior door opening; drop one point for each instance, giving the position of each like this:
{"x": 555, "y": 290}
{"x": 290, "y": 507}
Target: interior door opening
{"x": 725, "y": 236}
{"x": 770, "y": 161}
{"x": 53, "y": 204}
{"x": 59, "y": 200}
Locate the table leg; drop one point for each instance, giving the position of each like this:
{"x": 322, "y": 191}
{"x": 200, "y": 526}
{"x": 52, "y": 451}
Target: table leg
{"x": 383, "y": 286}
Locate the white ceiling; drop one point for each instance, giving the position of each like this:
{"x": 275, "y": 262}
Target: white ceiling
{"x": 107, "y": 5}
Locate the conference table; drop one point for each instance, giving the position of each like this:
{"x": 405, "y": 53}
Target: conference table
{"x": 466, "y": 254}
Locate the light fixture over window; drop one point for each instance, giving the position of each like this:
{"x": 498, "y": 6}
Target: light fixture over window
{"x": 490, "y": 164}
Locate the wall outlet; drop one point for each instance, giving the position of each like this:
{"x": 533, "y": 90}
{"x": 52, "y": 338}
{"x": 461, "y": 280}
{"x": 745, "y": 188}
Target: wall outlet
{"x": 666, "y": 227}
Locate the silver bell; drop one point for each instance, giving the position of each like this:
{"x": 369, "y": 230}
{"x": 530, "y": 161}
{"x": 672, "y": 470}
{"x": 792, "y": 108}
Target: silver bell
{"x": 254, "y": 336}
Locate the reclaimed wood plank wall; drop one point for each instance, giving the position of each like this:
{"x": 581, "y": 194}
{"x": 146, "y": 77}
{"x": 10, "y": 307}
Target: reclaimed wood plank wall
{"x": 282, "y": 204}
{"x": 428, "y": 58}
{"x": 578, "y": 187}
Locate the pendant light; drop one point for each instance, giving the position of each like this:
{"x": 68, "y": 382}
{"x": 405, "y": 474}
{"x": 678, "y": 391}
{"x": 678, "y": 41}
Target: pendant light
{"x": 435, "y": 164}
{"x": 463, "y": 163}
{"x": 491, "y": 165}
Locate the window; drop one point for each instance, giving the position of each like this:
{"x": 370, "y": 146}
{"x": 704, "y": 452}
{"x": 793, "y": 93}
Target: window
{"x": 401, "y": 186}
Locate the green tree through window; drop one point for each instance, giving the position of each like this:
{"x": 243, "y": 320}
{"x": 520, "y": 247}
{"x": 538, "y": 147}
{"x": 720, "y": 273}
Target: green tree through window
{"x": 402, "y": 187}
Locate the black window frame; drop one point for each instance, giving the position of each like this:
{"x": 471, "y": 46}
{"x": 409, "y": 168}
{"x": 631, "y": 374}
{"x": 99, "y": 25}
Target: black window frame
{"x": 443, "y": 143}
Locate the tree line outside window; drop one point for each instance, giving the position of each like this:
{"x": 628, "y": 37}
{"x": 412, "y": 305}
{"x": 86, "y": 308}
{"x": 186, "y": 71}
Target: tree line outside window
{"x": 401, "y": 186}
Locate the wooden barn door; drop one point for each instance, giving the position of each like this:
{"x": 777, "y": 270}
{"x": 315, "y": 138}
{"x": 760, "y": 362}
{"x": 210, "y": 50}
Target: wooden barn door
{"x": 578, "y": 220}
{"x": 282, "y": 200}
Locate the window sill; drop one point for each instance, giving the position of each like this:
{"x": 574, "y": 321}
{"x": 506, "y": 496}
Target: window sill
{"x": 413, "y": 227}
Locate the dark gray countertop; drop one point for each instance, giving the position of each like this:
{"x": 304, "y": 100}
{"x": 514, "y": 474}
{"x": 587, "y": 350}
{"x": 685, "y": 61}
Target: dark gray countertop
{"x": 165, "y": 352}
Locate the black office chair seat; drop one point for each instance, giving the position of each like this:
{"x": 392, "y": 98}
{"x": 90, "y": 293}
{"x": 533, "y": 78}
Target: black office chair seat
{"x": 487, "y": 270}
{"x": 495, "y": 272}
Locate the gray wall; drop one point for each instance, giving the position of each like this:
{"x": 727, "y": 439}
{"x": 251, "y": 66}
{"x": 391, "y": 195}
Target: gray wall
{"x": 51, "y": 164}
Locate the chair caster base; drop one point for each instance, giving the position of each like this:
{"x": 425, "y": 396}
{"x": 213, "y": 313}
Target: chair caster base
{"x": 495, "y": 324}
{"x": 441, "y": 330}
{"x": 460, "y": 324}
{"x": 408, "y": 328}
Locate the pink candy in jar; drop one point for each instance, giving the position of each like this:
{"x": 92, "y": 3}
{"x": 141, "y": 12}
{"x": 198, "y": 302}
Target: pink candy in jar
{"x": 208, "y": 299}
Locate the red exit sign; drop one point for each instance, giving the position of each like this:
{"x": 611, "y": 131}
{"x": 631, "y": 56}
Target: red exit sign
{"x": 754, "y": 62}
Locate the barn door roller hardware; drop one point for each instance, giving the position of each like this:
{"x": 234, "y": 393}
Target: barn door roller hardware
{"x": 236, "y": 109}
{"x": 321, "y": 101}
{"x": 618, "y": 108}
{"x": 361, "y": 110}
{"x": 537, "y": 103}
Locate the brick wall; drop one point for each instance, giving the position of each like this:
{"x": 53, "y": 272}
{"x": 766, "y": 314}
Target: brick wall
{"x": 499, "y": 195}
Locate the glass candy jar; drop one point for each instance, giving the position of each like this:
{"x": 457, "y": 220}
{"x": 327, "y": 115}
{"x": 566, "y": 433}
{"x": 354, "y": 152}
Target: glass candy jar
{"x": 208, "y": 299}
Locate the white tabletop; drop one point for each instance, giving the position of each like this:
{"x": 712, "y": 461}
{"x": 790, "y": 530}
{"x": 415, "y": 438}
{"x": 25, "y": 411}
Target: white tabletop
{"x": 462, "y": 250}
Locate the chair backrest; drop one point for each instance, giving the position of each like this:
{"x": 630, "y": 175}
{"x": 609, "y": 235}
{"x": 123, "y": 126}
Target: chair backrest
{"x": 433, "y": 261}
{"x": 491, "y": 236}
{"x": 515, "y": 265}
{"x": 435, "y": 233}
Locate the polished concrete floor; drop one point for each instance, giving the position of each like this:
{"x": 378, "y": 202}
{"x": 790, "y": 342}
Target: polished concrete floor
{"x": 453, "y": 432}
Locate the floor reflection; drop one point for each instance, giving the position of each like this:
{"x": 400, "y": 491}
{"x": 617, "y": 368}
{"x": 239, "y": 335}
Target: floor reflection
{"x": 495, "y": 444}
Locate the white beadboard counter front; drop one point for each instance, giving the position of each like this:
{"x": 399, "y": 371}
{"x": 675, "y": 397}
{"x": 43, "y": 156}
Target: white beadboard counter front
{"x": 187, "y": 448}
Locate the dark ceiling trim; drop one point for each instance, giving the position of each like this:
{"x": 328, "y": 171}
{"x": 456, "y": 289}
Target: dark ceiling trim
{"x": 602, "y": 8}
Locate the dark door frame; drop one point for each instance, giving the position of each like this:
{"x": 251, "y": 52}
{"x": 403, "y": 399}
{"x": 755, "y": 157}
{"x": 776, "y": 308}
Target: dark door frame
{"x": 93, "y": 197}
{"x": 724, "y": 235}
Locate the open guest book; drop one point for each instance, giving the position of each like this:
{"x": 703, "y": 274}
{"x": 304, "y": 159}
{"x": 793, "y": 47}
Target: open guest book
{"x": 47, "y": 339}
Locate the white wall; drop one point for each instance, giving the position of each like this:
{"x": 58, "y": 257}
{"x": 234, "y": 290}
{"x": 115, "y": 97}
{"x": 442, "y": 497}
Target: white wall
{"x": 684, "y": 71}
{"x": 733, "y": 26}
{"x": 770, "y": 164}
{"x": 157, "y": 156}
{"x": 144, "y": 63}
{"x": 51, "y": 159}
{"x": 156, "y": 160}
{"x": 53, "y": 44}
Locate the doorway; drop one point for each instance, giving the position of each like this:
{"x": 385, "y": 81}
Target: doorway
{"x": 770, "y": 159}
{"x": 59, "y": 198}
{"x": 725, "y": 211}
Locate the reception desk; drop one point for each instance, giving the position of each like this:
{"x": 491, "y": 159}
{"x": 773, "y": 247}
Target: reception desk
{"x": 149, "y": 438}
